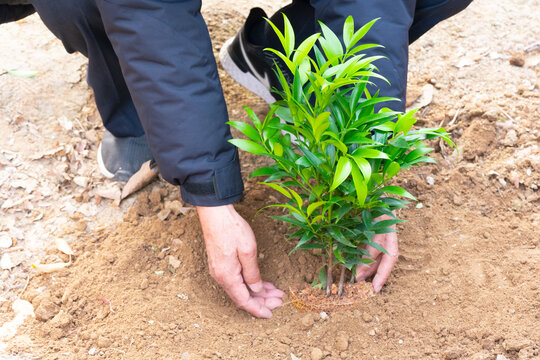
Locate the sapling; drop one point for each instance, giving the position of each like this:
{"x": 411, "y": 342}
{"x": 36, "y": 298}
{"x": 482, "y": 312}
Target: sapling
{"x": 333, "y": 155}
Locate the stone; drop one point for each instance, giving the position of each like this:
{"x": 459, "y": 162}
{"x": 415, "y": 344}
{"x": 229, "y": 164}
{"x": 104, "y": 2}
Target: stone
{"x": 430, "y": 180}
{"x": 324, "y": 316}
{"x": 371, "y": 332}
{"x": 457, "y": 200}
{"x": 501, "y": 357}
{"x": 5, "y": 241}
{"x": 163, "y": 214}
{"x": 517, "y": 60}
{"x": 92, "y": 351}
{"x": 307, "y": 321}
{"x": 174, "y": 262}
{"x": 144, "y": 284}
{"x": 46, "y": 310}
{"x": 316, "y": 354}
{"x": 342, "y": 341}
{"x": 511, "y": 138}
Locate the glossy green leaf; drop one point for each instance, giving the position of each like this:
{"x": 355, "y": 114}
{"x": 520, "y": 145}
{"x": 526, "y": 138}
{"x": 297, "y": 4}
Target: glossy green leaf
{"x": 343, "y": 169}
{"x": 249, "y": 146}
{"x": 396, "y": 190}
{"x": 278, "y": 188}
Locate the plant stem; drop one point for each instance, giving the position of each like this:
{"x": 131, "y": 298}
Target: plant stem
{"x": 329, "y": 279}
{"x": 341, "y": 281}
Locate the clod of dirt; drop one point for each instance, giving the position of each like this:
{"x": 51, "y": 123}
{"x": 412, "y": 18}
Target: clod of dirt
{"x": 316, "y": 354}
{"x": 367, "y": 317}
{"x": 454, "y": 353}
{"x": 103, "y": 342}
{"x": 46, "y": 310}
{"x": 342, "y": 341}
{"x": 163, "y": 214}
{"x": 517, "y": 60}
{"x": 478, "y": 139}
{"x": 144, "y": 284}
{"x": 155, "y": 198}
{"x": 61, "y": 320}
{"x": 307, "y": 321}
{"x": 511, "y": 138}
{"x": 516, "y": 343}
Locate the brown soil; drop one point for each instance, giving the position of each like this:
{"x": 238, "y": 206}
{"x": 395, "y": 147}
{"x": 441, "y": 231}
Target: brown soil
{"x": 316, "y": 300}
{"x": 467, "y": 283}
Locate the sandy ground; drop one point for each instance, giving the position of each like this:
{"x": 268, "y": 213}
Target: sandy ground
{"x": 467, "y": 282}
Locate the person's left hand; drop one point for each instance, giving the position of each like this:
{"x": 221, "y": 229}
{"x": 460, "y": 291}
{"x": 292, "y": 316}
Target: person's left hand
{"x": 384, "y": 263}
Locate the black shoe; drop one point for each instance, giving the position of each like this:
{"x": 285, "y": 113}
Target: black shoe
{"x": 249, "y": 65}
{"x": 120, "y": 158}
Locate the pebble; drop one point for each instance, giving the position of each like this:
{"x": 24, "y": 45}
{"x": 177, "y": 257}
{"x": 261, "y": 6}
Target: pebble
{"x": 6, "y": 263}
{"x": 511, "y": 138}
{"x": 324, "y": 316}
{"x": 144, "y": 284}
{"x": 371, "y": 332}
{"x": 515, "y": 343}
{"x": 517, "y": 60}
{"x": 174, "y": 262}
{"x": 103, "y": 342}
{"x": 5, "y": 241}
{"x": 61, "y": 320}
{"x": 501, "y": 357}
{"x": 430, "y": 180}
{"x": 457, "y": 200}
{"x": 92, "y": 351}
{"x": 185, "y": 355}
{"x": 316, "y": 354}
{"x": 163, "y": 214}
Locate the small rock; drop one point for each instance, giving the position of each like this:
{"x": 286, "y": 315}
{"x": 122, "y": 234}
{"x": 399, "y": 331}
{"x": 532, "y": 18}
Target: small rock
{"x": 46, "y": 310}
{"x": 342, "y": 341}
{"x": 6, "y": 263}
{"x": 453, "y": 353}
{"x": 92, "y": 351}
{"x": 430, "y": 180}
{"x": 316, "y": 354}
{"x": 163, "y": 214}
{"x": 174, "y": 206}
{"x": 511, "y": 138}
{"x": 82, "y": 181}
{"x": 144, "y": 284}
{"x": 185, "y": 355}
{"x": 324, "y": 316}
{"x": 501, "y": 357}
{"x": 5, "y": 241}
{"x": 517, "y": 60}
{"x": 307, "y": 321}
{"x": 103, "y": 342}
{"x": 366, "y": 317}
{"x": 371, "y": 332}
{"x": 174, "y": 262}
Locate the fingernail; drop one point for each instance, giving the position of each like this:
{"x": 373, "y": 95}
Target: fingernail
{"x": 257, "y": 287}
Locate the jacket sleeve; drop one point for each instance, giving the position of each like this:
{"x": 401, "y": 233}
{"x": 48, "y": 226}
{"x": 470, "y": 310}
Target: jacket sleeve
{"x": 166, "y": 58}
{"x": 391, "y": 31}
{"x": 14, "y": 12}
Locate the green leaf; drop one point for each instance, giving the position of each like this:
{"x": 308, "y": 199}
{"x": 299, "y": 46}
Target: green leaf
{"x": 359, "y": 185}
{"x": 265, "y": 171}
{"x": 330, "y": 43}
{"x": 304, "y": 48}
{"x": 278, "y": 33}
{"x": 22, "y": 73}
{"x": 279, "y": 188}
{"x": 249, "y": 146}
{"x": 392, "y": 169}
{"x": 288, "y": 36}
{"x": 253, "y": 117}
{"x": 278, "y": 149}
{"x": 369, "y": 153}
{"x": 361, "y": 32}
{"x": 343, "y": 170}
{"x": 338, "y": 236}
{"x": 363, "y": 165}
{"x": 405, "y": 122}
{"x": 348, "y": 31}
{"x": 312, "y": 207}
{"x": 396, "y": 190}
{"x": 297, "y": 198}
{"x": 246, "y": 129}
{"x": 375, "y": 245}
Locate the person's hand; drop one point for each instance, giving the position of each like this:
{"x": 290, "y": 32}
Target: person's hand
{"x": 232, "y": 259}
{"x": 384, "y": 263}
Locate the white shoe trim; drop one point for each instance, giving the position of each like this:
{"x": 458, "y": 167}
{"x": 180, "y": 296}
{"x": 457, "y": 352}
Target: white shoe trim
{"x": 101, "y": 165}
{"x": 245, "y": 79}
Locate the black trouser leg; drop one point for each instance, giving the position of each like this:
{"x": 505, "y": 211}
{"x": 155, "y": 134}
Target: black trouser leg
{"x": 78, "y": 24}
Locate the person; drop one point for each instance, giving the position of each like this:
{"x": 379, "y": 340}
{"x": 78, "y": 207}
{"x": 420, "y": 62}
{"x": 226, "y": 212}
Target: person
{"x": 157, "y": 90}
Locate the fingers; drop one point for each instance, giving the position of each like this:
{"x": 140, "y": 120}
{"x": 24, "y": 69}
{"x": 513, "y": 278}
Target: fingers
{"x": 363, "y": 271}
{"x": 239, "y": 294}
{"x": 247, "y": 254}
{"x": 387, "y": 262}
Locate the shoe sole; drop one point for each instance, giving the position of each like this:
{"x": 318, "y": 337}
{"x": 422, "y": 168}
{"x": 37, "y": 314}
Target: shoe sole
{"x": 101, "y": 165}
{"x": 245, "y": 79}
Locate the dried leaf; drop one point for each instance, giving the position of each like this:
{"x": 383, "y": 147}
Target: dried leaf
{"x": 48, "y": 268}
{"x": 63, "y": 246}
{"x": 424, "y": 99}
{"x": 146, "y": 174}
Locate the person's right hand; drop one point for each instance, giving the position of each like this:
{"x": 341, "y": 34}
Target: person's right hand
{"x": 232, "y": 259}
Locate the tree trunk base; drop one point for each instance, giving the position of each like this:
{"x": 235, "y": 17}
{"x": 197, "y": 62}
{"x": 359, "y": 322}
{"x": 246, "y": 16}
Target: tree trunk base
{"x": 315, "y": 300}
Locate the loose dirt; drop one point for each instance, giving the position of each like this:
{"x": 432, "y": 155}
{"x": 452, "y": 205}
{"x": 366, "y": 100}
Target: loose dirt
{"x": 467, "y": 283}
